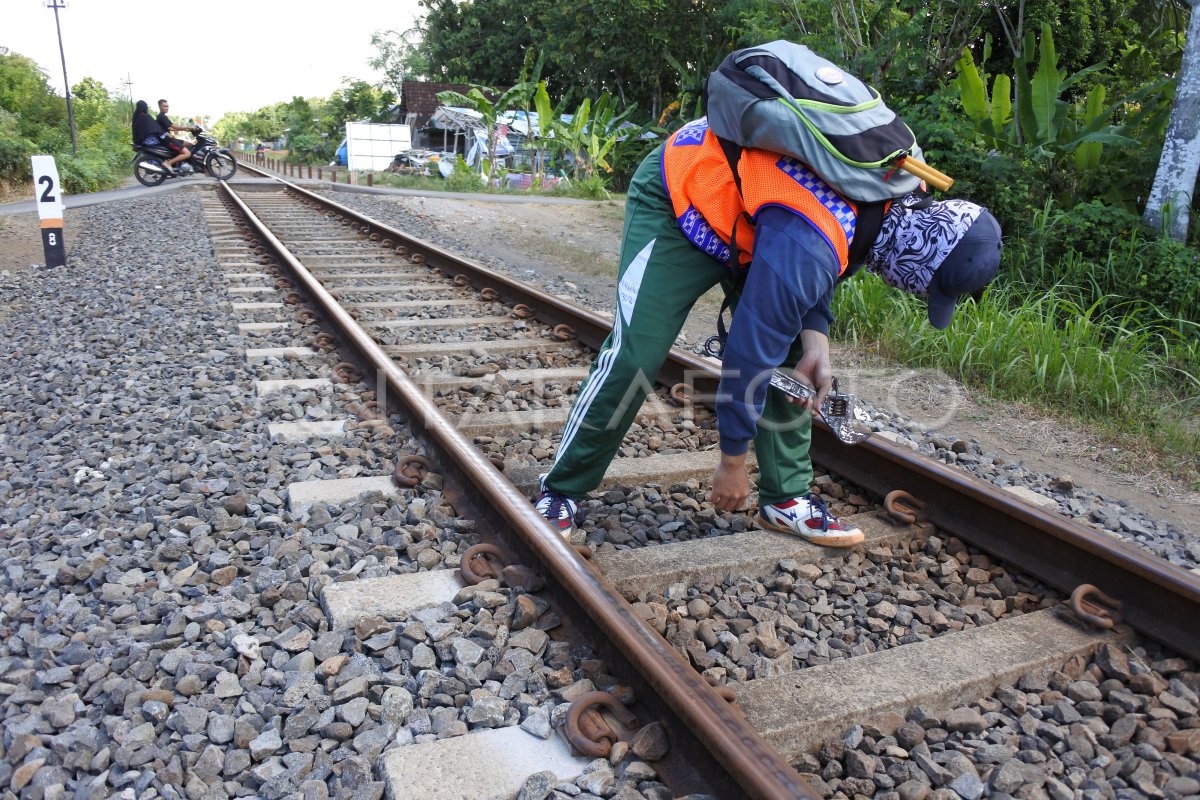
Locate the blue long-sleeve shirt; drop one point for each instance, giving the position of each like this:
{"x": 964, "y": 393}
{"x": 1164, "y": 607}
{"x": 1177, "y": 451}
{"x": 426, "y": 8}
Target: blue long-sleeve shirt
{"x": 788, "y": 289}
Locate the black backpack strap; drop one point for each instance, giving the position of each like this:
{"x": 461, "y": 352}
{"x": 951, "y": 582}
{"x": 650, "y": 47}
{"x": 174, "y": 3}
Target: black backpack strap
{"x": 869, "y": 219}
{"x": 867, "y": 222}
{"x": 733, "y": 154}
{"x": 715, "y": 345}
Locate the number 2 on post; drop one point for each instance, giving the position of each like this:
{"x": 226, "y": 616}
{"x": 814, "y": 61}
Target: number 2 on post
{"x": 49, "y": 182}
{"x": 49, "y": 209}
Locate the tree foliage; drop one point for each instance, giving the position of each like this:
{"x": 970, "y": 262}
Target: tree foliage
{"x": 1030, "y": 113}
{"x": 312, "y": 127}
{"x": 589, "y": 47}
{"x": 398, "y": 59}
{"x": 33, "y": 119}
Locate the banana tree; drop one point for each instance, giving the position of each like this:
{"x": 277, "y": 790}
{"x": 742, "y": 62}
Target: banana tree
{"x": 477, "y": 100}
{"x": 1043, "y": 124}
{"x": 594, "y": 132}
{"x": 991, "y": 114}
{"x": 545, "y": 139}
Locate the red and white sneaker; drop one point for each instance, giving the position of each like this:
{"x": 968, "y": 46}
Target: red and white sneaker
{"x": 808, "y": 516}
{"x": 559, "y": 510}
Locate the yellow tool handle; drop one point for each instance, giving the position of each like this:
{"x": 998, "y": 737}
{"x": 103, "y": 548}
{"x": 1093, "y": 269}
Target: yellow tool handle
{"x": 938, "y": 180}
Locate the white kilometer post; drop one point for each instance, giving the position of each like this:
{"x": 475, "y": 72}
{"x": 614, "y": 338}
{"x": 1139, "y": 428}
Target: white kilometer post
{"x": 48, "y": 193}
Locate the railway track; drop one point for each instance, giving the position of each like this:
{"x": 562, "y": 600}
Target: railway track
{"x": 958, "y": 590}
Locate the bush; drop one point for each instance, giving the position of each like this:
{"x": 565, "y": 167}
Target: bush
{"x": 626, "y": 159}
{"x": 464, "y": 178}
{"x": 14, "y": 157}
{"x": 82, "y": 174}
{"x": 1107, "y": 254}
{"x": 593, "y": 187}
{"x": 1009, "y": 186}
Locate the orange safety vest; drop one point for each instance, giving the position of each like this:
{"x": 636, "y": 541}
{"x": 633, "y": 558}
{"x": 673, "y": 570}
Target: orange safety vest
{"x": 707, "y": 203}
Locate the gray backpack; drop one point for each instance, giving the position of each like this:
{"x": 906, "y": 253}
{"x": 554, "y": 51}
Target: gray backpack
{"x": 785, "y": 98}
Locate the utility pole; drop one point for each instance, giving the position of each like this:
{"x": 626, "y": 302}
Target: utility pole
{"x": 128, "y": 84}
{"x": 56, "y": 5}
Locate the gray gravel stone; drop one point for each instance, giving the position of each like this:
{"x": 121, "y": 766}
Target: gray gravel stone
{"x": 537, "y": 786}
{"x": 968, "y": 786}
{"x": 466, "y": 651}
{"x": 965, "y": 720}
{"x": 265, "y": 744}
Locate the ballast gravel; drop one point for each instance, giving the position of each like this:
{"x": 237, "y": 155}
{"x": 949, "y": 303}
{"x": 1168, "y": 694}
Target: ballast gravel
{"x": 1123, "y": 724}
{"x": 160, "y": 627}
{"x": 488, "y": 659}
{"x": 1116, "y": 518}
{"x": 844, "y": 606}
{"x": 161, "y": 633}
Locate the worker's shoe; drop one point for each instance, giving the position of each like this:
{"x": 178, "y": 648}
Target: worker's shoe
{"x": 559, "y": 510}
{"x": 808, "y": 516}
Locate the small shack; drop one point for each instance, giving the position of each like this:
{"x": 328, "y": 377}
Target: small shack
{"x": 418, "y": 101}
{"x": 462, "y": 130}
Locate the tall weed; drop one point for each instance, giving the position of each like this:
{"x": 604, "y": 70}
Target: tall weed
{"x": 1106, "y": 256}
{"x": 1043, "y": 347}
{"x": 592, "y": 187}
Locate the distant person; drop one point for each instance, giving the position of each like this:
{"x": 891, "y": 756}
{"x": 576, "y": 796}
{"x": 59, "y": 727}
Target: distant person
{"x": 146, "y": 130}
{"x": 177, "y": 146}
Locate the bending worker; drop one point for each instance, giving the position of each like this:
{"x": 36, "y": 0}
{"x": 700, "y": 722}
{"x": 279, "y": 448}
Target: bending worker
{"x": 684, "y": 209}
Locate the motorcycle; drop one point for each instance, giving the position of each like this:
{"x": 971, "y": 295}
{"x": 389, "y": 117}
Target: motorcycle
{"x": 148, "y": 161}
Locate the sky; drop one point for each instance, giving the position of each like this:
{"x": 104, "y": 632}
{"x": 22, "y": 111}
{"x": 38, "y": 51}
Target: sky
{"x": 215, "y": 57}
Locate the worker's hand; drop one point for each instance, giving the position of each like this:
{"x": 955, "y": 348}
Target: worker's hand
{"x": 814, "y": 369}
{"x": 730, "y": 484}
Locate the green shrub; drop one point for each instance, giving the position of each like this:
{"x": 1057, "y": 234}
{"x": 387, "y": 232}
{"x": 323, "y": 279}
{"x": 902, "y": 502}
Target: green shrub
{"x": 627, "y": 158}
{"x": 87, "y": 172}
{"x": 593, "y": 187}
{"x": 14, "y": 157}
{"x": 1106, "y": 254}
{"x": 1009, "y": 185}
{"x": 464, "y": 178}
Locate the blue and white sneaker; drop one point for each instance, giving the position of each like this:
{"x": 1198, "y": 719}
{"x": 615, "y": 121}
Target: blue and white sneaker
{"x": 559, "y": 510}
{"x": 808, "y": 516}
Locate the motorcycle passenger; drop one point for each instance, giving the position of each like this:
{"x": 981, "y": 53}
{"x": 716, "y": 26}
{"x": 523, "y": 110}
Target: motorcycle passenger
{"x": 177, "y": 146}
{"x": 146, "y": 130}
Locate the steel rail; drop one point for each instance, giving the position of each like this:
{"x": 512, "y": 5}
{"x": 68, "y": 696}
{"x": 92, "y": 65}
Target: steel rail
{"x": 1160, "y": 599}
{"x": 749, "y": 765}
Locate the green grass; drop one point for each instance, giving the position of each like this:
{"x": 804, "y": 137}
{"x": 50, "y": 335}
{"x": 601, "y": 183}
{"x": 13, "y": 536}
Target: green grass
{"x": 1104, "y": 255}
{"x": 590, "y": 189}
{"x": 593, "y": 188}
{"x": 1131, "y": 373}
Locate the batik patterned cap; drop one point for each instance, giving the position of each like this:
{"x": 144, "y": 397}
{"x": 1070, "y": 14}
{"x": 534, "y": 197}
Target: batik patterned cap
{"x": 941, "y": 251}
{"x": 913, "y": 243}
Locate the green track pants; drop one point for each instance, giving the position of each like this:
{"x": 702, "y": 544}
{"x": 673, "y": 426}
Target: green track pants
{"x": 662, "y": 275}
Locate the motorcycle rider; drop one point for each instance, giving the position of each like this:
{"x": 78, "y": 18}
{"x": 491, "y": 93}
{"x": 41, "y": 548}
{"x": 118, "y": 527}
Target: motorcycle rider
{"x": 178, "y": 146}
